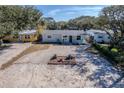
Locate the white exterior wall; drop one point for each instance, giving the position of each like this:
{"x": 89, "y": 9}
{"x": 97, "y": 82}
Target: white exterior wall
{"x": 97, "y": 33}
{"x": 54, "y": 38}
{"x": 58, "y": 36}
{"x": 104, "y": 37}
{"x": 96, "y": 37}
{"x": 74, "y": 40}
{"x": 79, "y": 41}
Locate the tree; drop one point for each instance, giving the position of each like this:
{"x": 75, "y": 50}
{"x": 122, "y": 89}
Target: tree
{"x": 112, "y": 18}
{"x": 50, "y": 23}
{"x": 82, "y": 22}
{"x": 30, "y": 16}
{"x": 61, "y": 25}
{"x": 17, "y": 18}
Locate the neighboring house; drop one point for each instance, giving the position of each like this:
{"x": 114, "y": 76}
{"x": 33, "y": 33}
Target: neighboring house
{"x": 64, "y": 36}
{"x": 22, "y": 36}
{"x": 26, "y": 35}
{"x": 99, "y": 36}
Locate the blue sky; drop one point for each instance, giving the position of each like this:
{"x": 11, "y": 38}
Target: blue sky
{"x": 66, "y": 12}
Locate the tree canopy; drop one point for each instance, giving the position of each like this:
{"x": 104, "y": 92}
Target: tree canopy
{"x": 80, "y": 23}
{"x": 112, "y": 18}
{"x": 50, "y": 23}
{"x": 17, "y": 18}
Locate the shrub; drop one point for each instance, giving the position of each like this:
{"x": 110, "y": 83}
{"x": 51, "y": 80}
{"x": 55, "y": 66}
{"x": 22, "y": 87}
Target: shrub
{"x": 114, "y": 50}
{"x": 119, "y": 59}
{"x": 113, "y": 54}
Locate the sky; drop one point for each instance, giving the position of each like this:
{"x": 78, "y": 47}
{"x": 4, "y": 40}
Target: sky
{"x": 66, "y": 12}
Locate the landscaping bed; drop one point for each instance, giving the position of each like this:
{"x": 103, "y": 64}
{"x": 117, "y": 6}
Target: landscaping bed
{"x": 114, "y": 55}
{"x": 62, "y": 60}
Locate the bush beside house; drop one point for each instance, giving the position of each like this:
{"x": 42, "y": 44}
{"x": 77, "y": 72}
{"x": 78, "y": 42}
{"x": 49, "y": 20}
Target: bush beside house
{"x": 116, "y": 55}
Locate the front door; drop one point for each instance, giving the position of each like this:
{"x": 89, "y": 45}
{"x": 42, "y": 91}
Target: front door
{"x": 70, "y": 39}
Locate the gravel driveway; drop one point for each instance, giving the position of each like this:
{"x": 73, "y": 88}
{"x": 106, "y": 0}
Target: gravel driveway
{"x": 32, "y": 70}
{"x": 11, "y": 51}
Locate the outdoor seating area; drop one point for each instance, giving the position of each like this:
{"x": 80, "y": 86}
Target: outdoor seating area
{"x": 62, "y": 60}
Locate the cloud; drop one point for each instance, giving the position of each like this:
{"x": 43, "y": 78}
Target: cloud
{"x": 86, "y": 8}
{"x": 69, "y": 13}
{"x": 74, "y": 11}
{"x": 53, "y": 12}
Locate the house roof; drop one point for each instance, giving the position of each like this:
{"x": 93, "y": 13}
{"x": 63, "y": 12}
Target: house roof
{"x": 64, "y": 32}
{"x": 94, "y": 31}
{"x": 27, "y": 32}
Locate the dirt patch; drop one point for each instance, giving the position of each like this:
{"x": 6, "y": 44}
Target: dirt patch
{"x": 29, "y": 50}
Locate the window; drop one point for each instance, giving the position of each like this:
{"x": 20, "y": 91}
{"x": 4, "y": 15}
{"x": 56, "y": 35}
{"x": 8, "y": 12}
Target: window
{"x": 100, "y": 37}
{"x": 109, "y": 37}
{"x": 78, "y": 37}
{"x": 15, "y": 36}
{"x": 49, "y": 36}
{"x": 27, "y": 36}
{"x": 64, "y": 36}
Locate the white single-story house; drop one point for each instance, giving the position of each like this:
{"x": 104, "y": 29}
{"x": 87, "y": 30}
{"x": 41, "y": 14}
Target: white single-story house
{"x": 99, "y": 36}
{"x": 64, "y": 36}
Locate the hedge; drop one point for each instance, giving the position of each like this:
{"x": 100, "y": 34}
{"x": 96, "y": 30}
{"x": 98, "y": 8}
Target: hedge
{"x": 114, "y": 54}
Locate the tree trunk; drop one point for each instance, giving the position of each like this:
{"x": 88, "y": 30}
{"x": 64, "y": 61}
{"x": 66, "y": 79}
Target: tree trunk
{"x": 1, "y": 42}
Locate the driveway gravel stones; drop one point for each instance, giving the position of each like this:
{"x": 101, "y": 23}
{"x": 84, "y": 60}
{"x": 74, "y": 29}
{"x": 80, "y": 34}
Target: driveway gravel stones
{"x": 12, "y": 51}
{"x": 32, "y": 70}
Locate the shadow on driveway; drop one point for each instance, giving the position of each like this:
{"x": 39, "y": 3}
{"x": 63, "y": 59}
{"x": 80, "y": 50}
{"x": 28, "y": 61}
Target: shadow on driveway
{"x": 104, "y": 74}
